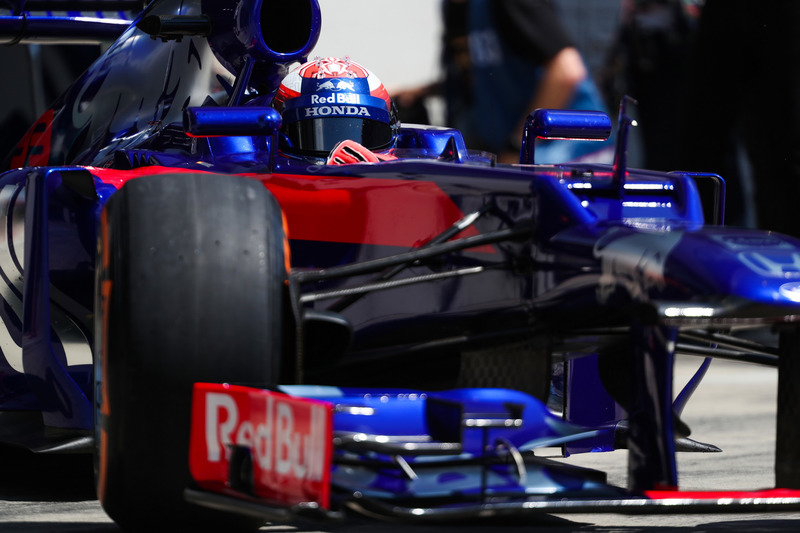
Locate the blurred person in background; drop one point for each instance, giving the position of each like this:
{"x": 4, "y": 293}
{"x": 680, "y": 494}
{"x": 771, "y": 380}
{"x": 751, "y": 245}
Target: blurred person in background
{"x": 648, "y": 61}
{"x": 743, "y": 91}
{"x": 502, "y": 59}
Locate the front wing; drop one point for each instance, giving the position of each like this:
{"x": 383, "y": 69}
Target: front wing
{"x": 314, "y": 452}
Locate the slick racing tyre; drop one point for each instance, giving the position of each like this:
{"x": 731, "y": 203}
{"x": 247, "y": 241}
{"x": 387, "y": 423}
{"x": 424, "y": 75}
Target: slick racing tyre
{"x": 191, "y": 281}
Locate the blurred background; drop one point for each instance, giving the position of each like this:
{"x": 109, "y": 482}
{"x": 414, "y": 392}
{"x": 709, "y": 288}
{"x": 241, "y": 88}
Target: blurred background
{"x": 401, "y": 41}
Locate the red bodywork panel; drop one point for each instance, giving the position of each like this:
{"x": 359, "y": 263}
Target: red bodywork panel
{"x": 345, "y": 209}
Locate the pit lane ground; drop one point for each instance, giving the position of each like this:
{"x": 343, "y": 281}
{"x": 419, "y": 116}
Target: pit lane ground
{"x": 733, "y": 409}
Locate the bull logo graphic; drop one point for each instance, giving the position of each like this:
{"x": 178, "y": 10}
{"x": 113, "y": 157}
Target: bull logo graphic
{"x": 340, "y": 85}
{"x": 345, "y": 85}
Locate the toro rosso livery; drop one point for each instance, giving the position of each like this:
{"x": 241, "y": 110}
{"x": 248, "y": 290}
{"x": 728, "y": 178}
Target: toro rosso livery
{"x": 230, "y": 273}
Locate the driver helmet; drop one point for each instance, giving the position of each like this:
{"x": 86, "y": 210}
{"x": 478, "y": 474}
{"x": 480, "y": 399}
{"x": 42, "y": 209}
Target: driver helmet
{"x": 329, "y": 100}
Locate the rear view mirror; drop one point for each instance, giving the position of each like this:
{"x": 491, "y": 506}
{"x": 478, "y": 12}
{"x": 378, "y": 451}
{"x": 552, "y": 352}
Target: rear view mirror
{"x": 562, "y": 124}
{"x": 230, "y": 121}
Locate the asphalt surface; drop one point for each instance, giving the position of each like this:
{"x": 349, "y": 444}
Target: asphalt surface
{"x": 733, "y": 409}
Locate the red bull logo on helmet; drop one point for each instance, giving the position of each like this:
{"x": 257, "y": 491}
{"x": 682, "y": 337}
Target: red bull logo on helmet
{"x": 336, "y": 98}
{"x": 331, "y": 75}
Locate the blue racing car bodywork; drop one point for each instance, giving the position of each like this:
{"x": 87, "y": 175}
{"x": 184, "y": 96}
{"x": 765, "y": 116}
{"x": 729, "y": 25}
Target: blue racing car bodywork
{"x": 238, "y": 334}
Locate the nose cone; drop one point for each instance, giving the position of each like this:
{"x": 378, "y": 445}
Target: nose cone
{"x": 739, "y": 264}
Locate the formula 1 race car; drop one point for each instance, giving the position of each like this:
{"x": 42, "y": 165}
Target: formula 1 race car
{"x": 241, "y": 331}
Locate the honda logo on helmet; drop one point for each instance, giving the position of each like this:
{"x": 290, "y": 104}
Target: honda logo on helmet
{"x": 337, "y": 110}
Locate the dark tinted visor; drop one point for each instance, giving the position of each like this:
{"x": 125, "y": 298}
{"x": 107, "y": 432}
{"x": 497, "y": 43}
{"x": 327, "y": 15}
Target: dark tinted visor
{"x": 318, "y": 136}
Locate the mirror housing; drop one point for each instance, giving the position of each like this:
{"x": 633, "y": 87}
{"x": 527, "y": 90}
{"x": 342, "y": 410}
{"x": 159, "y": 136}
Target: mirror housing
{"x": 230, "y": 121}
{"x": 562, "y": 124}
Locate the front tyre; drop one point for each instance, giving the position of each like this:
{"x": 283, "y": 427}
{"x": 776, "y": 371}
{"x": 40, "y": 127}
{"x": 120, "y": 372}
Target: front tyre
{"x": 191, "y": 282}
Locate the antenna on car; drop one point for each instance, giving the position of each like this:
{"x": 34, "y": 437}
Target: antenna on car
{"x": 621, "y": 150}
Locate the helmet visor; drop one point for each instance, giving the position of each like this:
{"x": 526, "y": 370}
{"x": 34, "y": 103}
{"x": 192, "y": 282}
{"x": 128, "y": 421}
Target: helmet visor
{"x": 318, "y": 136}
